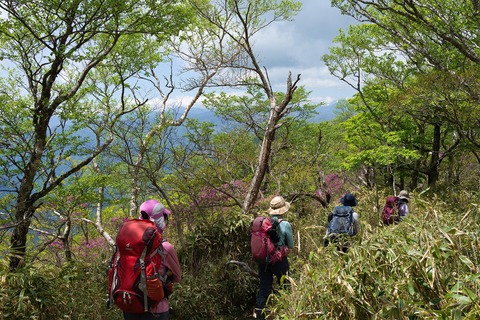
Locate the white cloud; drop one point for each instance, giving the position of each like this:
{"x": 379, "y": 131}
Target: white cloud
{"x": 298, "y": 46}
{"x": 175, "y": 101}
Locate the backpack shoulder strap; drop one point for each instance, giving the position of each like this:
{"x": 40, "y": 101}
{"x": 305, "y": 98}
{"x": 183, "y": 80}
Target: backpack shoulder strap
{"x": 335, "y": 211}
{"x": 143, "y": 279}
{"x": 351, "y": 218}
{"x": 160, "y": 250}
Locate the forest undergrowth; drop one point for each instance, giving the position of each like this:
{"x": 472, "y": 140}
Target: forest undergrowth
{"x": 426, "y": 267}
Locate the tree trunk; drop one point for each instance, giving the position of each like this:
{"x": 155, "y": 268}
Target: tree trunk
{"x": 24, "y": 208}
{"x": 66, "y": 240}
{"x": 99, "y": 211}
{"x": 261, "y": 164}
{"x": 415, "y": 175}
{"x": 434, "y": 159}
{"x": 23, "y": 218}
{"x": 277, "y": 112}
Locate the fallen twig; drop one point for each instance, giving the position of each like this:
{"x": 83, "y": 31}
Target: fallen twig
{"x": 245, "y": 267}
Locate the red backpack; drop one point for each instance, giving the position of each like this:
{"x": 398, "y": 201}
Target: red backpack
{"x": 390, "y": 211}
{"x": 134, "y": 280}
{"x": 264, "y": 241}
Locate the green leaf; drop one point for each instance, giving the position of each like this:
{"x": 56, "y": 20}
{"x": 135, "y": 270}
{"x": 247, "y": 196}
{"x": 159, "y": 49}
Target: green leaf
{"x": 411, "y": 288}
{"x": 460, "y": 298}
{"x": 467, "y": 261}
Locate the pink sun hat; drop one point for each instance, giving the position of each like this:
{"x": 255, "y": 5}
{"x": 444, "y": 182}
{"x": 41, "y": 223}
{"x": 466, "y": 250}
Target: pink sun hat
{"x": 154, "y": 209}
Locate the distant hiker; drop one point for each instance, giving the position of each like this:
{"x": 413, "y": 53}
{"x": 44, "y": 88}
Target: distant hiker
{"x": 154, "y": 211}
{"x": 269, "y": 267}
{"x": 390, "y": 213}
{"x": 343, "y": 223}
{"x": 403, "y": 198}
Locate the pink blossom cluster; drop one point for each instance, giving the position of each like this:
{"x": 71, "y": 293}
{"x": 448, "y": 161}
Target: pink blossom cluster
{"x": 91, "y": 249}
{"x": 210, "y": 195}
{"x": 334, "y": 183}
{"x": 58, "y": 244}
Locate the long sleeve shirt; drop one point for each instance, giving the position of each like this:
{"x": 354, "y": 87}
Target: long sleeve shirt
{"x": 402, "y": 209}
{"x": 285, "y": 232}
{"x": 170, "y": 262}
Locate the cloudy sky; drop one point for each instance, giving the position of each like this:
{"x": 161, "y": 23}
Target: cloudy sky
{"x": 298, "y": 45}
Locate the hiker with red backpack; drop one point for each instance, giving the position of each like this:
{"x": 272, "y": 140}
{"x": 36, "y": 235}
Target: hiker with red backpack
{"x": 396, "y": 208}
{"x": 144, "y": 266}
{"x": 271, "y": 250}
{"x": 390, "y": 211}
{"x": 343, "y": 223}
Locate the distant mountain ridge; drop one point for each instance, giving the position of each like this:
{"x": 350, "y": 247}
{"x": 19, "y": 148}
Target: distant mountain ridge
{"x": 325, "y": 113}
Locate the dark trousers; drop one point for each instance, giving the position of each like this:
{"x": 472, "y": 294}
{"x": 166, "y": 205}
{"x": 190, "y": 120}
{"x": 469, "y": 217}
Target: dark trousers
{"x": 146, "y": 316}
{"x": 266, "y": 273}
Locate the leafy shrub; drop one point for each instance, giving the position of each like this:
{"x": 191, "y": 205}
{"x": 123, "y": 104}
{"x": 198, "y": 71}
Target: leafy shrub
{"x": 211, "y": 288}
{"x": 74, "y": 292}
{"x": 24, "y": 294}
{"x": 218, "y": 291}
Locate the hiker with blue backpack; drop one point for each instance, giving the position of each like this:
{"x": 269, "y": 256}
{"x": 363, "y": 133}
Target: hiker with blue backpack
{"x": 343, "y": 223}
{"x": 271, "y": 238}
{"x": 168, "y": 267}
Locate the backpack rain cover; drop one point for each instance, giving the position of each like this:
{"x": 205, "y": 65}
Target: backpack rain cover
{"x": 342, "y": 220}
{"x": 264, "y": 239}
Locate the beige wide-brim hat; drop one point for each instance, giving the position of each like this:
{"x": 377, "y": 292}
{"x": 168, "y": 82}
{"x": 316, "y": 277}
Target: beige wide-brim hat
{"x": 278, "y": 206}
{"x": 404, "y": 195}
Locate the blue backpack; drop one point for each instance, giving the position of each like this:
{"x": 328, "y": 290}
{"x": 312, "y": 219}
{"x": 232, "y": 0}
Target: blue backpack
{"x": 342, "y": 221}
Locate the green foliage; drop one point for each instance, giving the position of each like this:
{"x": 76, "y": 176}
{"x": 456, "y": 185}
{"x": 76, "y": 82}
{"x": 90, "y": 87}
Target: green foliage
{"x": 413, "y": 86}
{"x": 77, "y": 291}
{"x": 211, "y": 288}
{"x": 215, "y": 290}
{"x": 251, "y": 111}
{"x": 221, "y": 234}
{"x": 25, "y": 294}
{"x": 426, "y": 267}
{"x": 423, "y": 268}
{"x": 379, "y": 137}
